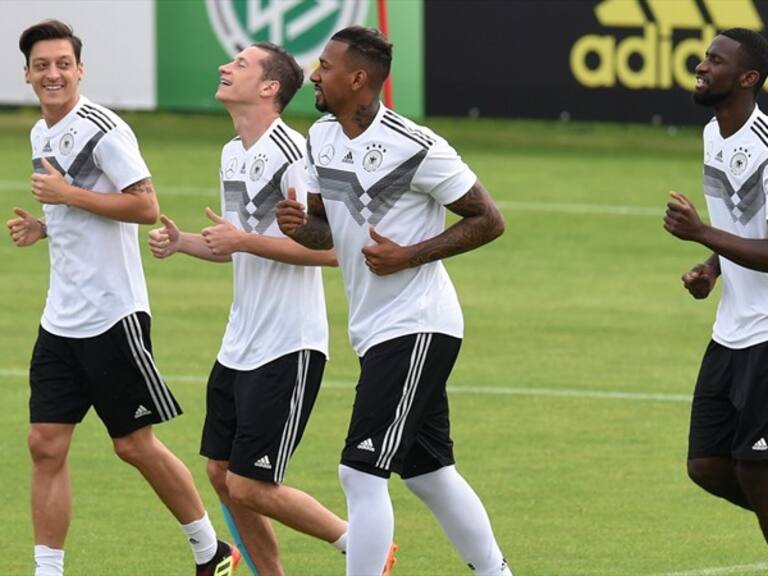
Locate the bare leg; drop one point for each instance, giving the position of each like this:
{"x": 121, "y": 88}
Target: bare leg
{"x": 753, "y": 477}
{"x": 292, "y": 507}
{"x": 168, "y": 476}
{"x": 51, "y": 491}
{"x": 718, "y": 476}
{"x": 255, "y": 529}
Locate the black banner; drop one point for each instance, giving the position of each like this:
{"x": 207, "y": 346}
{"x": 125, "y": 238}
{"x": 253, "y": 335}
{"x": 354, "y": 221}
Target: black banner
{"x": 619, "y": 60}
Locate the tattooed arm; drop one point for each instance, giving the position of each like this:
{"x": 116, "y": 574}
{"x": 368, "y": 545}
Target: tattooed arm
{"x": 137, "y": 202}
{"x": 480, "y": 223}
{"x": 309, "y": 228}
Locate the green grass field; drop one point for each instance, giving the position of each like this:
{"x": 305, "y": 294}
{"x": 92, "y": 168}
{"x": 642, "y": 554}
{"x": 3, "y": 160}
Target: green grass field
{"x": 570, "y": 402}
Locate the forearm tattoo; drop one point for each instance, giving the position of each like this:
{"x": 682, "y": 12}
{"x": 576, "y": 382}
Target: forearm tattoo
{"x": 141, "y": 187}
{"x": 316, "y": 233}
{"x": 481, "y": 222}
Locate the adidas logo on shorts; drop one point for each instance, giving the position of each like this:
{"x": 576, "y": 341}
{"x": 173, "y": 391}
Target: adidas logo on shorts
{"x": 263, "y": 462}
{"x": 141, "y": 411}
{"x": 367, "y": 445}
{"x": 761, "y": 445}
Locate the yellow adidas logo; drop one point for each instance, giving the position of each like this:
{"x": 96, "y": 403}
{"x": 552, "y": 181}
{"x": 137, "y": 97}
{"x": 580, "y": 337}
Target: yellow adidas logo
{"x": 603, "y": 61}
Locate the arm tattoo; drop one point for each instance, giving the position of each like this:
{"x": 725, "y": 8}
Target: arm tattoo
{"x": 141, "y": 187}
{"x": 481, "y": 222}
{"x": 316, "y": 233}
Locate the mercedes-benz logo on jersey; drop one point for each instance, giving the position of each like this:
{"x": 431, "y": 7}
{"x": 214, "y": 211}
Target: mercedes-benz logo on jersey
{"x": 257, "y": 168}
{"x": 326, "y": 155}
{"x": 373, "y": 157}
{"x": 302, "y": 28}
{"x": 739, "y": 161}
{"x": 66, "y": 143}
{"x": 231, "y": 168}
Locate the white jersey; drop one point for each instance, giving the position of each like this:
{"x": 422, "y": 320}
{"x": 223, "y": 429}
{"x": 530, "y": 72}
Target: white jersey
{"x": 96, "y": 274}
{"x": 735, "y": 182}
{"x": 276, "y": 308}
{"x": 397, "y": 177}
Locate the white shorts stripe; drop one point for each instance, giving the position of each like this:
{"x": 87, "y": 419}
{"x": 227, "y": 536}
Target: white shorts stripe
{"x": 394, "y": 434}
{"x": 162, "y": 388}
{"x": 292, "y": 424}
{"x": 155, "y": 385}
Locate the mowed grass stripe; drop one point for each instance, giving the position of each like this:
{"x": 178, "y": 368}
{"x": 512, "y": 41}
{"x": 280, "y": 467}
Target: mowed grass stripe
{"x": 471, "y": 390}
{"x": 561, "y": 208}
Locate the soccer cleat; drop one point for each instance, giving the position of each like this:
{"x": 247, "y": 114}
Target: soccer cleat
{"x": 223, "y": 563}
{"x": 391, "y": 560}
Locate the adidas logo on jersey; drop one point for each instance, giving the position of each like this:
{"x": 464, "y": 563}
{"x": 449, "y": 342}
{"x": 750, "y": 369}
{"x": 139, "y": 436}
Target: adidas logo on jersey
{"x": 348, "y": 159}
{"x": 141, "y": 411}
{"x": 719, "y": 156}
{"x": 47, "y": 147}
{"x": 366, "y": 445}
{"x": 263, "y": 462}
{"x": 761, "y": 445}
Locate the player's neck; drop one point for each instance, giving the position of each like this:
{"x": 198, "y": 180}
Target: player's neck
{"x": 730, "y": 119}
{"x": 54, "y": 114}
{"x": 251, "y": 123}
{"x": 356, "y": 120}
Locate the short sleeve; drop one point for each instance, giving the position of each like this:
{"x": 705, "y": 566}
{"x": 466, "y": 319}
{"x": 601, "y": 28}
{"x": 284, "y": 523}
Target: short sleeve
{"x": 295, "y": 177}
{"x": 443, "y": 174}
{"x": 312, "y": 179}
{"x": 117, "y": 155}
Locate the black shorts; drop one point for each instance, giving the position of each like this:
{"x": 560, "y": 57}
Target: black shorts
{"x": 729, "y": 416}
{"x": 114, "y": 372}
{"x": 255, "y": 419}
{"x": 400, "y": 420}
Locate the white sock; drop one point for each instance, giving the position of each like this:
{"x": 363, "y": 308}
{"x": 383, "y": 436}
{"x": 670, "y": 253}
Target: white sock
{"x": 202, "y": 538}
{"x": 371, "y": 521}
{"x": 341, "y": 543}
{"x": 463, "y": 518}
{"x": 48, "y": 561}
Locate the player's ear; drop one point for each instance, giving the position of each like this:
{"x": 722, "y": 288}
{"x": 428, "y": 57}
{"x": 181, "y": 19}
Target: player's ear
{"x": 749, "y": 79}
{"x": 359, "y": 79}
{"x": 271, "y": 88}
{"x": 79, "y": 70}
{"x": 26, "y": 74}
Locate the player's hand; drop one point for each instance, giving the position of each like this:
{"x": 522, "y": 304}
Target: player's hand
{"x": 50, "y": 188}
{"x": 384, "y": 256}
{"x": 700, "y": 280}
{"x": 222, "y": 239}
{"x": 25, "y": 229}
{"x": 682, "y": 220}
{"x": 291, "y": 214}
{"x": 164, "y": 241}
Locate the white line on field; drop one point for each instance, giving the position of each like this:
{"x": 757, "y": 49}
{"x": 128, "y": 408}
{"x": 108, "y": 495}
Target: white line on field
{"x": 469, "y": 390}
{"x": 556, "y": 207}
{"x": 742, "y": 569}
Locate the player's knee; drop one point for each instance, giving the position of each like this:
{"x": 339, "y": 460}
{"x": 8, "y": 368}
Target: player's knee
{"x": 249, "y": 493}
{"x": 45, "y": 448}
{"x": 703, "y": 473}
{"x": 129, "y": 449}
{"x": 217, "y": 475}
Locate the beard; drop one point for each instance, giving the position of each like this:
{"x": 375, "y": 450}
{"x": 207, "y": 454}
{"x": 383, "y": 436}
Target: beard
{"x": 710, "y": 99}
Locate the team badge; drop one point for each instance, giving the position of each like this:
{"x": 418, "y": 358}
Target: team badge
{"x": 739, "y": 161}
{"x": 326, "y": 154}
{"x": 373, "y": 157}
{"x": 231, "y": 168}
{"x": 66, "y": 143}
{"x": 257, "y": 168}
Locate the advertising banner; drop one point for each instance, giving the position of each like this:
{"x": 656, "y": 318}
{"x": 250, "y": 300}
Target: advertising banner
{"x": 194, "y": 38}
{"x": 582, "y": 59}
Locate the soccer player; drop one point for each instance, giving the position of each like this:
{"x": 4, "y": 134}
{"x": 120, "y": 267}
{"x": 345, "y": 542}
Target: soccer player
{"x": 379, "y": 186}
{"x": 93, "y": 346}
{"x": 728, "y": 448}
{"x": 268, "y": 371}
